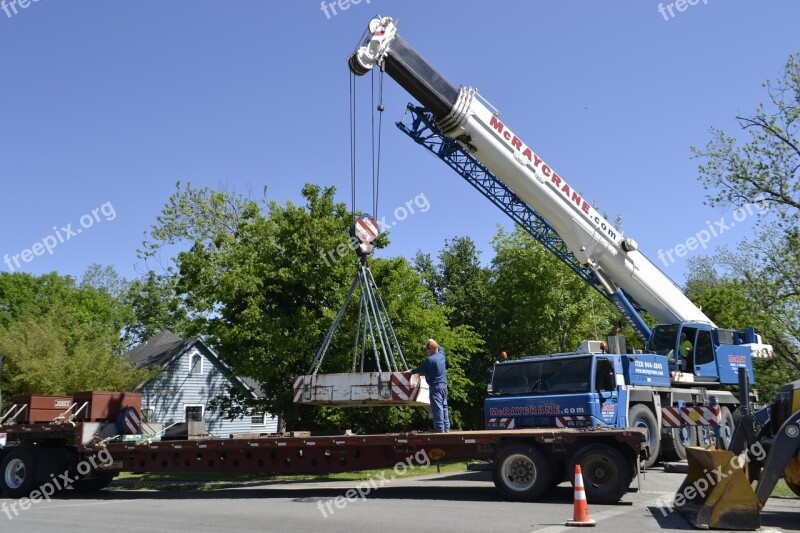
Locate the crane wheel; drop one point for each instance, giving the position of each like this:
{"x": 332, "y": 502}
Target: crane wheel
{"x": 675, "y": 441}
{"x": 606, "y": 473}
{"x": 640, "y": 416}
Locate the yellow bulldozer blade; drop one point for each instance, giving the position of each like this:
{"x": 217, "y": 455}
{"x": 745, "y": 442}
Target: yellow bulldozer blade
{"x": 716, "y": 493}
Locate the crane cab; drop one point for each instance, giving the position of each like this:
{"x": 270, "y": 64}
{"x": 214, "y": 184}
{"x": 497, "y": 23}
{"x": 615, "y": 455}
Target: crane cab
{"x": 700, "y": 353}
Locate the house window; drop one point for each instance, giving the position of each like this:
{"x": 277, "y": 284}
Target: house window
{"x": 194, "y": 413}
{"x": 195, "y": 363}
{"x": 258, "y": 419}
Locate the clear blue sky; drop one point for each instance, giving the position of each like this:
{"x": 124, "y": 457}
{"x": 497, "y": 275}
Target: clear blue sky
{"x": 111, "y": 101}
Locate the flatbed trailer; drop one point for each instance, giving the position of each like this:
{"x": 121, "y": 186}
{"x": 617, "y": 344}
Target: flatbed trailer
{"x": 525, "y": 462}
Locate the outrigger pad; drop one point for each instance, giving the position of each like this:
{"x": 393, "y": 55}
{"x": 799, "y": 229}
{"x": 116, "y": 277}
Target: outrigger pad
{"x": 362, "y": 389}
{"x": 716, "y": 493}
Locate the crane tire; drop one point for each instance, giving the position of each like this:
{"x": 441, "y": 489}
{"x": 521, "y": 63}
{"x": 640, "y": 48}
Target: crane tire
{"x": 640, "y": 416}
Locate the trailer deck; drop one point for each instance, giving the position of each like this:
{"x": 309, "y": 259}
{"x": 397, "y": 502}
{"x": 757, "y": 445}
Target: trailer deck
{"x": 525, "y": 460}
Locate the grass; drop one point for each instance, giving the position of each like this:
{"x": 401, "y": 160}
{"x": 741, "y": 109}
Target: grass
{"x": 211, "y": 481}
{"x": 782, "y": 489}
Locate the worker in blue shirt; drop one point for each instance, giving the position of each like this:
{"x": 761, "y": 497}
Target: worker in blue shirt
{"x": 434, "y": 369}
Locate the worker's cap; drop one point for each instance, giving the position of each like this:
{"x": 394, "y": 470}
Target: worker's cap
{"x": 431, "y": 345}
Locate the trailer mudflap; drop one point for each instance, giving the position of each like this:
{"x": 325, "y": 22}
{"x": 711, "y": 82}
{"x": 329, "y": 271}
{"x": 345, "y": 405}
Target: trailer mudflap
{"x": 716, "y": 493}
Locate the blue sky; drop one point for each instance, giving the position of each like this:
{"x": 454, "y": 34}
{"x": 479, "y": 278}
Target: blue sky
{"x": 107, "y": 104}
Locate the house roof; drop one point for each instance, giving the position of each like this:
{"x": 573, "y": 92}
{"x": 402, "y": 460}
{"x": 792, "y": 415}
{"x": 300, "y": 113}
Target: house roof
{"x": 164, "y": 347}
{"x": 255, "y": 385}
{"x": 158, "y": 350}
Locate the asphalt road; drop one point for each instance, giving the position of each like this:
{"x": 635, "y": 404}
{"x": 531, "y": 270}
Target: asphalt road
{"x": 461, "y": 502}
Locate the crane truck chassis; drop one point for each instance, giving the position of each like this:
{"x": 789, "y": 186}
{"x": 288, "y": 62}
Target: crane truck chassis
{"x": 524, "y": 461}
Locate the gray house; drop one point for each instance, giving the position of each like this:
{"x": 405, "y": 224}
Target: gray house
{"x": 193, "y": 375}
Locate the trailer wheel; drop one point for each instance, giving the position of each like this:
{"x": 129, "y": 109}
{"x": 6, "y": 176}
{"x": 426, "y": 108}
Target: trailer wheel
{"x": 606, "y": 473}
{"x": 640, "y": 416}
{"x": 18, "y": 472}
{"x": 92, "y": 484}
{"x": 522, "y": 472}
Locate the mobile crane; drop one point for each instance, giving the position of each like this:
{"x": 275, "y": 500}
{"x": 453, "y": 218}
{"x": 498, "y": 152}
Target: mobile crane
{"x": 587, "y": 388}
{"x": 36, "y": 445}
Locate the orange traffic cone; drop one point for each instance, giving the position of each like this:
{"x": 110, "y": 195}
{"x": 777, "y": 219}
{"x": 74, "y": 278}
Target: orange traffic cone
{"x": 580, "y": 515}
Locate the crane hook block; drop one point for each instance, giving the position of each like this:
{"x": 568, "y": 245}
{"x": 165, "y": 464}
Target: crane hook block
{"x": 363, "y": 233}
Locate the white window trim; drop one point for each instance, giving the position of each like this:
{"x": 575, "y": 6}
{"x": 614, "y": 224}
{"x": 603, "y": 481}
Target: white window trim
{"x": 261, "y": 424}
{"x": 202, "y": 410}
{"x": 195, "y": 353}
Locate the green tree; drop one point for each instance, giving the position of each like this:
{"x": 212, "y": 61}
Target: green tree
{"x": 41, "y": 362}
{"x": 539, "y": 305}
{"x": 60, "y": 336}
{"x": 86, "y": 309}
{"x": 426, "y": 269}
{"x": 105, "y": 279}
{"x": 729, "y": 302}
{"x": 460, "y": 283}
{"x": 762, "y": 176}
{"x": 264, "y": 283}
{"x": 156, "y": 307}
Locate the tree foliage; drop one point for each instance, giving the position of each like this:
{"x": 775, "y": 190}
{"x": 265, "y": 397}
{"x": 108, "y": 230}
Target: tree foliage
{"x": 461, "y": 286}
{"x": 40, "y": 361}
{"x": 728, "y": 300}
{"x": 539, "y": 305}
{"x": 764, "y": 171}
{"x": 61, "y": 336}
{"x": 264, "y": 284}
{"x": 156, "y": 307}
{"x": 765, "y": 168}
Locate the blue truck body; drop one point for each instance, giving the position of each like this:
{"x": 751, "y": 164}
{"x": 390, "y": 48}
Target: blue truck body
{"x": 594, "y": 388}
{"x": 570, "y": 390}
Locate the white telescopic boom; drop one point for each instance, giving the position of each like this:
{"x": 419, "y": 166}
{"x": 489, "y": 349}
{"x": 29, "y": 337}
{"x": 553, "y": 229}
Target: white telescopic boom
{"x": 459, "y": 114}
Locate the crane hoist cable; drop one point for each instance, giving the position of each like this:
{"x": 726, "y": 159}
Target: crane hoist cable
{"x": 353, "y": 138}
{"x": 375, "y": 139}
{"x": 374, "y": 334}
{"x": 373, "y": 329}
{"x": 353, "y": 145}
{"x": 376, "y": 149}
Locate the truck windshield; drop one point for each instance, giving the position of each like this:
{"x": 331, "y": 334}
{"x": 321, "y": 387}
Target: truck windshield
{"x": 542, "y": 377}
{"x": 664, "y": 338}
